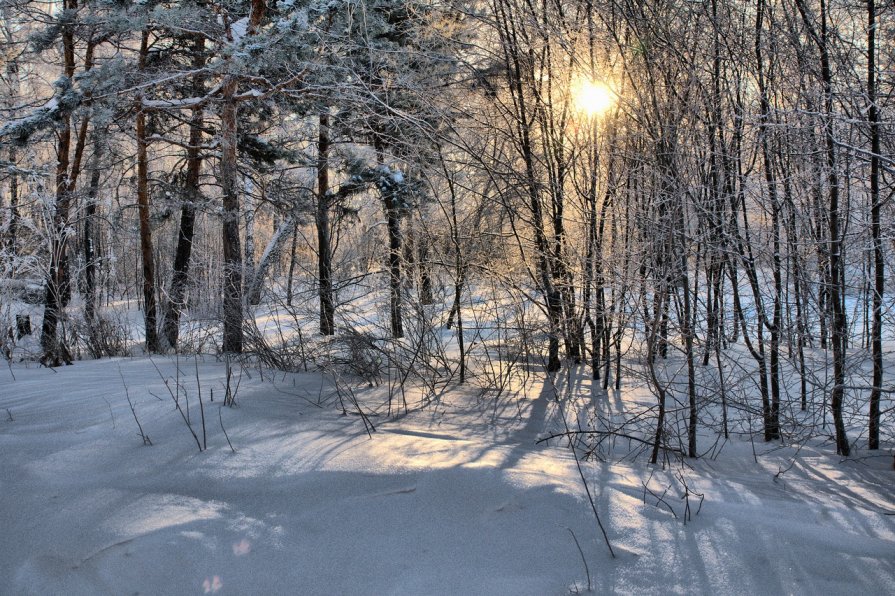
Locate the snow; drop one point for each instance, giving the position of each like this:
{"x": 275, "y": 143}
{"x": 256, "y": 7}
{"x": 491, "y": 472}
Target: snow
{"x": 159, "y": 104}
{"x": 45, "y": 111}
{"x": 251, "y": 93}
{"x": 454, "y": 497}
{"x": 239, "y": 29}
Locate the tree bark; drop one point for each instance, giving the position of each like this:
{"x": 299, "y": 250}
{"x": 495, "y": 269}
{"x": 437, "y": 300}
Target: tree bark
{"x": 149, "y": 304}
{"x": 12, "y": 228}
{"x": 232, "y": 274}
{"x": 422, "y": 262}
{"x": 191, "y": 196}
{"x": 879, "y": 279}
{"x": 90, "y": 235}
{"x": 271, "y": 254}
{"x": 324, "y": 244}
{"x": 248, "y": 208}
{"x": 54, "y": 352}
{"x": 772, "y": 417}
{"x": 395, "y": 243}
{"x": 290, "y": 277}
{"x": 836, "y": 281}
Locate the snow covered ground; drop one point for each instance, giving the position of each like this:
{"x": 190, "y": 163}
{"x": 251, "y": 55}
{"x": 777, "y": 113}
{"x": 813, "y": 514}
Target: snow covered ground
{"x": 455, "y": 497}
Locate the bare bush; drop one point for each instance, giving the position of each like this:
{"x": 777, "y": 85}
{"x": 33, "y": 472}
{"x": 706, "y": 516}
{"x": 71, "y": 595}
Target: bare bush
{"x": 103, "y": 336}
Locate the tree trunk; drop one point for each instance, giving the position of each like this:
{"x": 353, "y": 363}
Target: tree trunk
{"x": 229, "y": 178}
{"x": 12, "y": 228}
{"x": 229, "y": 175}
{"x": 54, "y": 352}
{"x": 149, "y": 308}
{"x": 191, "y": 195}
{"x": 271, "y": 255}
{"x": 422, "y": 261}
{"x": 291, "y": 275}
{"x": 249, "y": 273}
{"x": 460, "y": 270}
{"x": 394, "y": 265}
{"x": 90, "y": 235}
{"x": 13, "y": 84}
{"x": 879, "y": 278}
{"x": 658, "y": 385}
{"x": 393, "y": 224}
{"x": 836, "y": 281}
{"x": 518, "y": 73}
{"x": 772, "y": 416}
{"x": 324, "y": 243}
{"x": 591, "y": 285}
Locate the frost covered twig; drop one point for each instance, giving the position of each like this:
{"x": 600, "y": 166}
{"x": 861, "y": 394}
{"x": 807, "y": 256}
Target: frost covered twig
{"x": 177, "y": 406}
{"x": 686, "y": 498}
{"x": 583, "y": 559}
{"x": 221, "y": 420}
{"x": 659, "y": 498}
{"x": 143, "y": 435}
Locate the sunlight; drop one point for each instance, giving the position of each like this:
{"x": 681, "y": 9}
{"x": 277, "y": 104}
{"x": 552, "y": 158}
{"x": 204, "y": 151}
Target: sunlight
{"x": 592, "y": 98}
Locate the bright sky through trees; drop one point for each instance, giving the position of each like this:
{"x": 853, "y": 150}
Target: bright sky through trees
{"x": 592, "y": 98}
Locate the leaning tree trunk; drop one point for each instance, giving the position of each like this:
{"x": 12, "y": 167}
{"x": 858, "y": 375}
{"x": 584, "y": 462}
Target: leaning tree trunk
{"x": 271, "y": 255}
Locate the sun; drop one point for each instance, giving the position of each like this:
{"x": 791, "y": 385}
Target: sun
{"x": 592, "y": 98}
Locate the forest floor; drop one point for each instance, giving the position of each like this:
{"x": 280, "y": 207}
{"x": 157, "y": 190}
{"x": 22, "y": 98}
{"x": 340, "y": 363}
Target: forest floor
{"x": 454, "y": 497}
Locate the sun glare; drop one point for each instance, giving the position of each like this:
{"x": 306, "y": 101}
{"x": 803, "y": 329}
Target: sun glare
{"x": 593, "y": 98}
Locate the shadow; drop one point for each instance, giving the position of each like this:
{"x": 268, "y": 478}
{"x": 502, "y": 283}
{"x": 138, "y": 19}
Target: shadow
{"x": 458, "y": 501}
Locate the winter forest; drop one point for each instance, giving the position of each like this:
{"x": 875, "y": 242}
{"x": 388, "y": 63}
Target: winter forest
{"x": 448, "y": 297}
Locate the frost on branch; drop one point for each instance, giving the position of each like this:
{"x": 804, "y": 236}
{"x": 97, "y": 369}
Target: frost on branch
{"x": 65, "y": 99}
